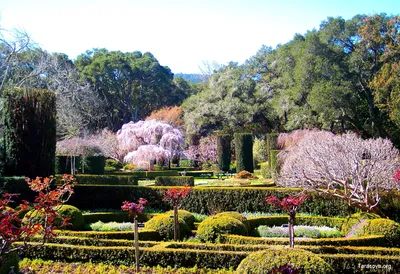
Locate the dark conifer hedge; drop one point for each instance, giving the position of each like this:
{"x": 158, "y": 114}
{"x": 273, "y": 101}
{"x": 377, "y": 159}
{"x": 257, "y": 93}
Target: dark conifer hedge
{"x": 224, "y": 151}
{"x": 29, "y": 117}
{"x": 244, "y": 152}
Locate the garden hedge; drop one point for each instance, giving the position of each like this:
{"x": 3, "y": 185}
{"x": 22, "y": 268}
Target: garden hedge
{"x": 93, "y": 164}
{"x": 63, "y": 163}
{"x": 244, "y": 152}
{"x": 375, "y": 240}
{"x": 90, "y": 179}
{"x": 174, "y": 180}
{"x": 204, "y": 200}
{"x": 199, "y": 174}
{"x": 29, "y": 117}
{"x": 166, "y": 255}
{"x": 144, "y": 234}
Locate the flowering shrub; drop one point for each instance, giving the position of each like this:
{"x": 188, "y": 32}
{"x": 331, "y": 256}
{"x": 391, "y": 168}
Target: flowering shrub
{"x": 205, "y": 151}
{"x": 300, "y": 231}
{"x": 111, "y": 226}
{"x": 47, "y": 202}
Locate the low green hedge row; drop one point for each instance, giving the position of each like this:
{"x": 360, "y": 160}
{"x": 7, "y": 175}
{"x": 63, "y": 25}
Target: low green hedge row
{"x": 151, "y": 256}
{"x": 205, "y": 200}
{"x": 115, "y": 217}
{"x": 85, "y": 241}
{"x": 369, "y": 250}
{"x": 356, "y": 241}
{"x": 255, "y": 222}
{"x": 199, "y": 174}
{"x": 174, "y": 180}
{"x": 144, "y": 234}
{"x": 89, "y": 179}
{"x": 159, "y": 255}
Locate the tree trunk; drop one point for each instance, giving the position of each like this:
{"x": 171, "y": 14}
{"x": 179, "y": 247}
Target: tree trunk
{"x": 291, "y": 229}
{"x": 176, "y": 223}
{"x": 136, "y": 241}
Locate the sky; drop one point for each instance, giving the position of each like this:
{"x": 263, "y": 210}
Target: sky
{"x": 181, "y": 34}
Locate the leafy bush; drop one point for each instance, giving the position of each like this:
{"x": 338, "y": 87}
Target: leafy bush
{"x": 112, "y": 165}
{"x": 76, "y": 218}
{"x": 244, "y": 174}
{"x": 131, "y": 167}
{"x": 174, "y": 181}
{"x": 186, "y": 163}
{"x": 299, "y": 231}
{"x": 164, "y": 225}
{"x": 274, "y": 258}
{"x": 160, "y": 168}
{"x": 355, "y": 220}
{"x": 185, "y": 215}
{"x": 235, "y": 215}
{"x": 211, "y": 228}
{"x": 388, "y": 228}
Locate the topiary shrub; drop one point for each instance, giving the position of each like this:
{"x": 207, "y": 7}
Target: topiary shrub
{"x": 164, "y": 225}
{"x": 388, "y": 228}
{"x": 210, "y": 229}
{"x": 244, "y": 151}
{"x": 93, "y": 164}
{"x": 185, "y": 215}
{"x": 235, "y": 215}
{"x": 274, "y": 258}
{"x": 265, "y": 170}
{"x": 76, "y": 218}
{"x": 245, "y": 175}
{"x": 9, "y": 263}
{"x": 355, "y": 220}
{"x": 224, "y": 151}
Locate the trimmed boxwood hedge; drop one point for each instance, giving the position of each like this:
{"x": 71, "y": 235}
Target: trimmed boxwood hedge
{"x": 174, "y": 181}
{"x": 144, "y": 234}
{"x": 205, "y": 200}
{"x": 90, "y": 179}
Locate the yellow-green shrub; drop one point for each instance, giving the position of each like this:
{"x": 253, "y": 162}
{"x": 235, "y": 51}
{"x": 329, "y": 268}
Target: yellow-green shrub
{"x": 355, "y": 220}
{"x": 164, "y": 225}
{"x": 185, "y": 215}
{"x": 211, "y": 228}
{"x": 235, "y": 215}
{"x": 76, "y": 218}
{"x": 268, "y": 260}
{"x": 388, "y": 228}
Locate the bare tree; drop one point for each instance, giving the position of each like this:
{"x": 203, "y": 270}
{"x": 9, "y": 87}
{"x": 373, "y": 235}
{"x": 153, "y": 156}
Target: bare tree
{"x": 346, "y": 166}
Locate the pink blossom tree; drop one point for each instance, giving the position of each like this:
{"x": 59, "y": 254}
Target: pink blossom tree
{"x": 149, "y": 140}
{"x": 205, "y": 151}
{"x": 345, "y": 166}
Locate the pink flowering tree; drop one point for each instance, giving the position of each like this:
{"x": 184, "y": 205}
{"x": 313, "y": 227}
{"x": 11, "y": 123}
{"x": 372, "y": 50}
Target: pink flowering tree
{"x": 175, "y": 196}
{"x": 133, "y": 210}
{"x": 290, "y": 205}
{"x": 205, "y": 152}
{"x": 344, "y": 166}
{"x": 150, "y": 140}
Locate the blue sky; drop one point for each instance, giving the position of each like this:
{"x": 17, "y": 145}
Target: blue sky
{"x": 179, "y": 33}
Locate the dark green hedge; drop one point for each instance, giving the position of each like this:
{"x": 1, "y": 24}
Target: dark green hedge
{"x": 224, "y": 151}
{"x": 91, "y": 179}
{"x": 29, "y": 117}
{"x": 204, "y": 200}
{"x": 244, "y": 152}
{"x": 93, "y": 164}
{"x": 63, "y": 163}
{"x": 174, "y": 180}
{"x": 86, "y": 241}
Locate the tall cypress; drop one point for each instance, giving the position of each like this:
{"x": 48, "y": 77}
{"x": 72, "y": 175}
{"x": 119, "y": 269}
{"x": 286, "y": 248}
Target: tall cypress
{"x": 244, "y": 152}
{"x": 224, "y": 151}
{"x": 29, "y": 117}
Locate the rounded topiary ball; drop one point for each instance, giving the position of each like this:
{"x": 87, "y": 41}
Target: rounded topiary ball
{"x": 388, "y": 228}
{"x": 235, "y": 215}
{"x": 212, "y": 227}
{"x": 76, "y": 218}
{"x": 164, "y": 225}
{"x": 9, "y": 262}
{"x": 277, "y": 257}
{"x": 185, "y": 215}
{"x": 355, "y": 220}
